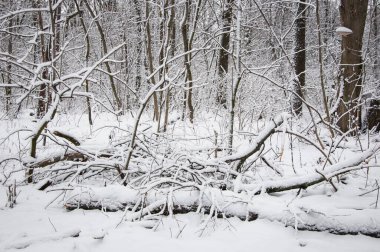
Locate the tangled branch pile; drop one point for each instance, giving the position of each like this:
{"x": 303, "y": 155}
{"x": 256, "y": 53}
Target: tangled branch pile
{"x": 162, "y": 180}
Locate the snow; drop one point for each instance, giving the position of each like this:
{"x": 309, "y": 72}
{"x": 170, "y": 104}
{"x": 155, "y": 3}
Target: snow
{"x": 30, "y": 221}
{"x": 40, "y": 223}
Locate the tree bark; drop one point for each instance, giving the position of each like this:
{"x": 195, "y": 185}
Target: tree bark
{"x": 187, "y": 61}
{"x": 373, "y": 115}
{"x": 8, "y": 90}
{"x": 223, "y": 53}
{"x": 43, "y": 90}
{"x": 299, "y": 57}
{"x": 353, "y": 15}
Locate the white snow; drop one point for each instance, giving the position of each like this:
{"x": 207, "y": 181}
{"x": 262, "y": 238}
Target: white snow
{"x": 30, "y": 222}
{"x": 32, "y": 226}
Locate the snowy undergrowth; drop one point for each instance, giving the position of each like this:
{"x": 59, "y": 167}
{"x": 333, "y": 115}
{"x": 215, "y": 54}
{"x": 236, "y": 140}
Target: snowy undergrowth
{"x": 186, "y": 161}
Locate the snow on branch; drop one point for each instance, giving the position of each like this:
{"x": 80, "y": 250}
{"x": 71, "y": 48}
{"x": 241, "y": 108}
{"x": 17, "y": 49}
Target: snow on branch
{"x": 305, "y": 181}
{"x": 168, "y": 200}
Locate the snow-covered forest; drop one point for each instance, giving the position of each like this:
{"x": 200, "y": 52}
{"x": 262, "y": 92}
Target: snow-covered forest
{"x": 189, "y": 125}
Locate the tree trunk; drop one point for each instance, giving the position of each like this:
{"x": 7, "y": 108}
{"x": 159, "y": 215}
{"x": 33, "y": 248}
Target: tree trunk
{"x": 149, "y": 58}
{"x": 321, "y": 73}
{"x": 139, "y": 48}
{"x": 42, "y": 100}
{"x": 299, "y": 57}
{"x": 373, "y": 115}
{"x": 353, "y": 16}
{"x": 223, "y": 53}
{"x": 8, "y": 90}
{"x": 187, "y": 62}
{"x": 105, "y": 51}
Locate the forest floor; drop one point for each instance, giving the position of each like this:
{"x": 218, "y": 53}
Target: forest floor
{"x": 36, "y": 223}
{"x": 29, "y": 222}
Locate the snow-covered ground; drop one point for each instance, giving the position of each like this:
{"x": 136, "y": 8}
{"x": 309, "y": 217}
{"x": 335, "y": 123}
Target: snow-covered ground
{"x": 30, "y": 223}
{"x": 40, "y": 223}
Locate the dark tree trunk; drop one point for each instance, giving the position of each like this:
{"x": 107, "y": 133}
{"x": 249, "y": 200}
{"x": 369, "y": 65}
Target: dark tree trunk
{"x": 373, "y": 115}
{"x": 187, "y": 60}
{"x": 223, "y": 52}
{"x": 42, "y": 93}
{"x": 8, "y": 90}
{"x": 299, "y": 57}
{"x": 353, "y": 16}
{"x": 140, "y": 41}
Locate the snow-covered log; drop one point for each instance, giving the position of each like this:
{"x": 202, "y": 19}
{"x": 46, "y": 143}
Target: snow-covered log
{"x": 323, "y": 218}
{"x": 225, "y": 204}
{"x": 165, "y": 201}
{"x": 304, "y": 181}
{"x": 52, "y": 159}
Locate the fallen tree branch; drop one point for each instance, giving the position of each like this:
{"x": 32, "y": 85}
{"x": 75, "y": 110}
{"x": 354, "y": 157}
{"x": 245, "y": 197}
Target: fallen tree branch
{"x": 271, "y": 166}
{"x": 67, "y": 156}
{"x": 308, "y": 180}
{"x": 309, "y": 141}
{"x": 327, "y": 180}
{"x": 242, "y": 156}
{"x": 69, "y": 138}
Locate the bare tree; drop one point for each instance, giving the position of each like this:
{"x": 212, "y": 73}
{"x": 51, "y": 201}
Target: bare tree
{"x": 105, "y": 51}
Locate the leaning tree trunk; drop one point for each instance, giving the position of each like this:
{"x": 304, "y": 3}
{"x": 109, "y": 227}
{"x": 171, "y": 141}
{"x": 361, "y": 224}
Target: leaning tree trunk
{"x": 353, "y": 16}
{"x": 299, "y": 57}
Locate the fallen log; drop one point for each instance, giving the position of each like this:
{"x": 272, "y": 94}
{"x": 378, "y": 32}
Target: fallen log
{"x": 69, "y": 155}
{"x": 168, "y": 201}
{"x": 305, "y": 181}
{"x": 66, "y": 156}
{"x": 226, "y": 204}
{"x": 339, "y": 221}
